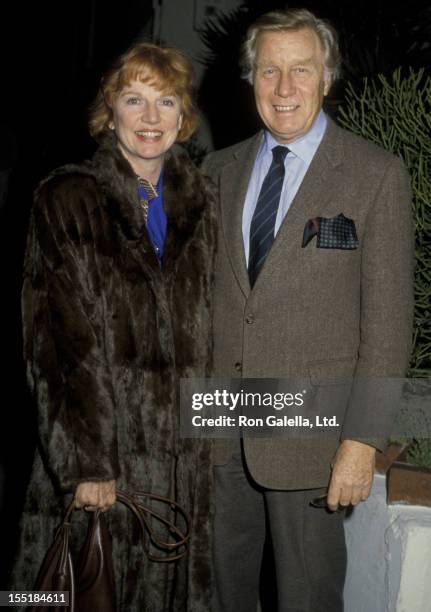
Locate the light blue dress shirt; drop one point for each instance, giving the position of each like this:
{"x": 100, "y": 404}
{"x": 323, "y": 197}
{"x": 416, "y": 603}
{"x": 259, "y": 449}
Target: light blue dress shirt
{"x": 296, "y": 163}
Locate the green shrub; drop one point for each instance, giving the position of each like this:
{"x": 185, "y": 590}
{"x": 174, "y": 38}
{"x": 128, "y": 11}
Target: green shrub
{"x": 419, "y": 453}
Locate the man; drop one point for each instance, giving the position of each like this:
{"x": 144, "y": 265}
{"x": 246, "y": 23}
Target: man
{"x": 313, "y": 279}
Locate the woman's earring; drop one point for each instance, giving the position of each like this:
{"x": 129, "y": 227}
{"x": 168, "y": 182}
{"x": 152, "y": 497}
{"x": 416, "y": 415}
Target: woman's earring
{"x": 111, "y": 125}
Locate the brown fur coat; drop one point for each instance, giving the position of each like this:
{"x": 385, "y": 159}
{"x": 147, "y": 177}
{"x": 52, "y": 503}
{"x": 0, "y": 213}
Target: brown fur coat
{"x": 108, "y": 334}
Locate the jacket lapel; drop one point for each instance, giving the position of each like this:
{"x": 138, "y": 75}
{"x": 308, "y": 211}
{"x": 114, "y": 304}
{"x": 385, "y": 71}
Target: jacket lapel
{"x": 233, "y": 189}
{"x": 317, "y": 189}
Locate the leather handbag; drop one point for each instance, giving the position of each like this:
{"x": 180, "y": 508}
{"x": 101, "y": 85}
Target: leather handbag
{"x": 91, "y": 584}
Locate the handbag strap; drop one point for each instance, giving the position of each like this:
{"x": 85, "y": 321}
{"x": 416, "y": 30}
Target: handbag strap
{"x": 174, "y": 549}
{"x": 63, "y": 532}
{"x": 146, "y": 515}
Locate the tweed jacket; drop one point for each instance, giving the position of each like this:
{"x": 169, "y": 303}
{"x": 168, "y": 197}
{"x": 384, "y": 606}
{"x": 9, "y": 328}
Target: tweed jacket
{"x": 108, "y": 332}
{"x": 317, "y": 313}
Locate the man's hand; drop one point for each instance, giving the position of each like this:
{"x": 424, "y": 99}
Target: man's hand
{"x": 352, "y": 474}
{"x": 92, "y": 495}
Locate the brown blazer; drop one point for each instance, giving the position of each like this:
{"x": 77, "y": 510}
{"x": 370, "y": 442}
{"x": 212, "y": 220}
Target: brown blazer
{"x": 314, "y": 312}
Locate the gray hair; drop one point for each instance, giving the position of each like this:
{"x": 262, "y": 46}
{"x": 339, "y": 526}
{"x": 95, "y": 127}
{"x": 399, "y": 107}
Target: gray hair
{"x": 292, "y": 19}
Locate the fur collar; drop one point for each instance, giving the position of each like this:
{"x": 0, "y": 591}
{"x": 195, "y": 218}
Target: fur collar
{"x": 186, "y": 195}
{"x": 184, "y": 189}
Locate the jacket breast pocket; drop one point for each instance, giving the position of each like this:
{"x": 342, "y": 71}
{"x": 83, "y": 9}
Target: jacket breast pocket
{"x": 337, "y": 232}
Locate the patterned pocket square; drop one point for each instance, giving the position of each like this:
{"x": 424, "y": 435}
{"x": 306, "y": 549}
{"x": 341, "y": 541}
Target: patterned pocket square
{"x": 336, "y": 233}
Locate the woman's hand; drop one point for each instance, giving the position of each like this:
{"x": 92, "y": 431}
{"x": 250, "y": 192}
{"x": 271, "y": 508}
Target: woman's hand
{"x": 93, "y": 495}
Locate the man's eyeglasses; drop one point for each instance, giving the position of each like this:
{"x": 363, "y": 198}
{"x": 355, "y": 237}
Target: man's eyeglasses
{"x": 322, "y": 502}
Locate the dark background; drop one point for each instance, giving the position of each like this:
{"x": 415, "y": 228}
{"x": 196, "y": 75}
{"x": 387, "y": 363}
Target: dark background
{"x": 52, "y": 56}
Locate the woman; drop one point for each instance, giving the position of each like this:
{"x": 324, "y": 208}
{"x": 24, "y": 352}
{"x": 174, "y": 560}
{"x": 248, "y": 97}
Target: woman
{"x": 116, "y": 303}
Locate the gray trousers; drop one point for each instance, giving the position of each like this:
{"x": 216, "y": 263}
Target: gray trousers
{"x": 308, "y": 545}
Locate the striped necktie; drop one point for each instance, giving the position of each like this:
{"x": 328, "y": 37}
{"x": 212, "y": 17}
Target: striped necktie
{"x": 264, "y": 216}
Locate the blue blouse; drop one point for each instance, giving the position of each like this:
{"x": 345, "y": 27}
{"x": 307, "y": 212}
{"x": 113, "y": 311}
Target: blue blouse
{"x": 157, "y": 221}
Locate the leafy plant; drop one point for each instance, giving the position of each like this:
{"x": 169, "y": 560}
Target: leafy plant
{"x": 419, "y": 453}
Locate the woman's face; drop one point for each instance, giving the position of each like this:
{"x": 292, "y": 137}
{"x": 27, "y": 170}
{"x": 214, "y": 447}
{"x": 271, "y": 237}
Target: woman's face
{"x": 147, "y": 123}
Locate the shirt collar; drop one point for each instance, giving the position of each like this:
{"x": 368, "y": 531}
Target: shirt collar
{"x": 306, "y": 146}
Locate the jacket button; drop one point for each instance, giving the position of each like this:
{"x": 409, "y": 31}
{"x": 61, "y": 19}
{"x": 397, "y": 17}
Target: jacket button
{"x": 249, "y": 319}
{"x": 238, "y": 366}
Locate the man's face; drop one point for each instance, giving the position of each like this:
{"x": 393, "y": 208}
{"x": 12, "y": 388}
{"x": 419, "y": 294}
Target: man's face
{"x": 289, "y": 82}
